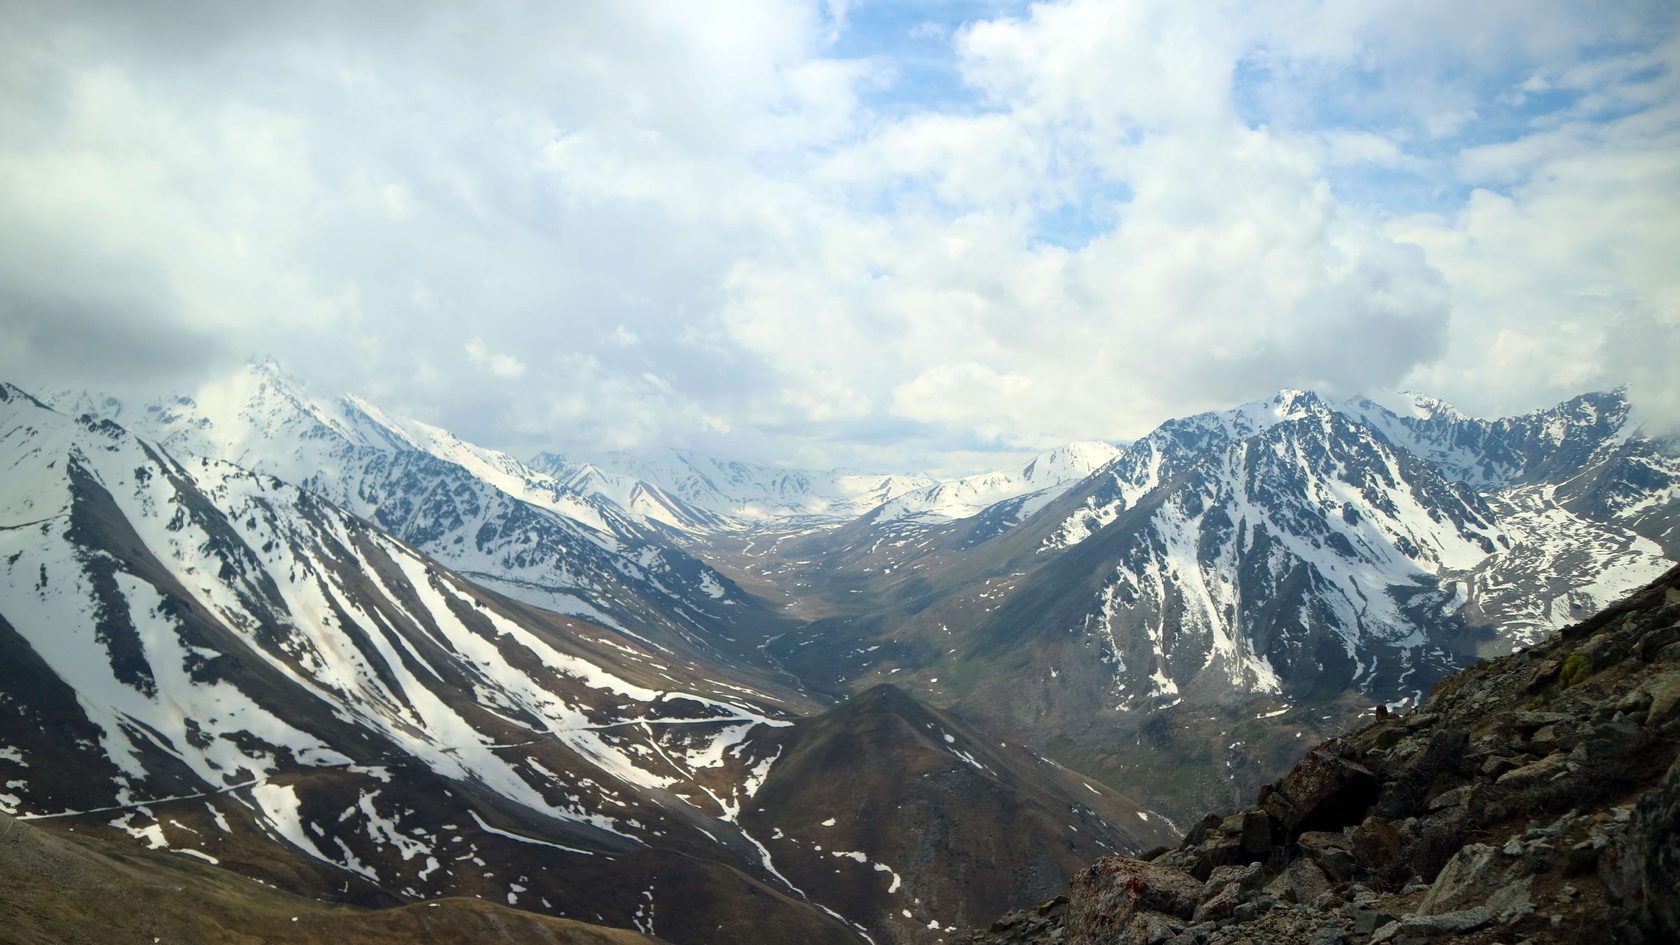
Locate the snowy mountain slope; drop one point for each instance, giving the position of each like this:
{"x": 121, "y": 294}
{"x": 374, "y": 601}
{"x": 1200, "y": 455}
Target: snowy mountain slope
{"x": 1562, "y": 567}
{"x": 1633, "y": 485}
{"x": 1590, "y": 504}
{"x": 1246, "y": 552}
{"x": 1410, "y": 519}
{"x": 643, "y": 499}
{"x": 1299, "y": 514}
{"x": 479, "y": 511}
{"x": 178, "y": 635}
{"x": 1305, "y": 523}
{"x": 745, "y": 494}
{"x": 1296, "y": 510}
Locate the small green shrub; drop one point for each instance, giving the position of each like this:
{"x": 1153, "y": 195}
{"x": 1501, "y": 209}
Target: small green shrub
{"x": 1575, "y": 669}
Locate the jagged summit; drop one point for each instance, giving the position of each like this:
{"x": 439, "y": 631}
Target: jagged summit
{"x": 1404, "y": 403}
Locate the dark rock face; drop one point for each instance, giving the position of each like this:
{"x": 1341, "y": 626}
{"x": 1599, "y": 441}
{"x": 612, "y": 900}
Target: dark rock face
{"x": 1535, "y": 798}
{"x": 1653, "y": 846}
{"x": 1323, "y": 792}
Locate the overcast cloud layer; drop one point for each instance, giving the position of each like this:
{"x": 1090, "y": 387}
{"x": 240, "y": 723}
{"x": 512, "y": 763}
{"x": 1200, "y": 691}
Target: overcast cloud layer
{"x": 882, "y": 235}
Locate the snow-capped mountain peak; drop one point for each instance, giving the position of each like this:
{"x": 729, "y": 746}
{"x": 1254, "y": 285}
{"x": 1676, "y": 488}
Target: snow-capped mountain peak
{"x": 484, "y": 513}
{"x": 1376, "y": 523}
{"x": 1069, "y": 462}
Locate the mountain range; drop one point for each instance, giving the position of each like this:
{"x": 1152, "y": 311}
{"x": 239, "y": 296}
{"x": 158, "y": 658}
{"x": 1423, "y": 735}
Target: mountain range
{"x": 212, "y": 661}
{"x": 359, "y": 658}
{"x": 1235, "y": 582}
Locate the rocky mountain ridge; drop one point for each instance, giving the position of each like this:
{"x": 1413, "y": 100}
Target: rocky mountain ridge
{"x": 1533, "y": 798}
{"x": 699, "y": 496}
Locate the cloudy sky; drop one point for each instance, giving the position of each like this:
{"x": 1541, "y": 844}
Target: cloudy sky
{"x": 880, "y": 234}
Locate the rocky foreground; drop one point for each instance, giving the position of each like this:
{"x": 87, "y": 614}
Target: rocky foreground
{"x": 1532, "y": 799}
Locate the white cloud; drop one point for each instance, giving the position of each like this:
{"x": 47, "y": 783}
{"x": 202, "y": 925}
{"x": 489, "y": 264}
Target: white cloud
{"x": 1566, "y": 280}
{"x": 504, "y": 366}
{"x": 1230, "y": 268}
{"x": 622, "y": 337}
{"x": 696, "y": 225}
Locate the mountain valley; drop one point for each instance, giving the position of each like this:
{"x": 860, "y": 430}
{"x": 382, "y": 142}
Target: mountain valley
{"x": 358, "y": 659}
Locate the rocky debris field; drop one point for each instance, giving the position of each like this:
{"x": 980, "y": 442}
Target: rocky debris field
{"x": 1532, "y": 799}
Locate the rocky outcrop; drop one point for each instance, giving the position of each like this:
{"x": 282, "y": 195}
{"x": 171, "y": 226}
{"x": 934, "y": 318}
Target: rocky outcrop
{"x": 1533, "y": 798}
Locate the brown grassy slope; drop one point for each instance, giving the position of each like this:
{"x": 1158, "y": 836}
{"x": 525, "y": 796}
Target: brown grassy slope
{"x": 59, "y": 888}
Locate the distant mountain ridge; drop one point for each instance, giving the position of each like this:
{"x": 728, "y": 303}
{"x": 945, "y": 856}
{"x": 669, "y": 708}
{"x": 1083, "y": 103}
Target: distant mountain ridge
{"x": 736, "y": 494}
{"x": 699, "y": 494}
{"x": 743, "y": 495}
{"x": 1043, "y": 478}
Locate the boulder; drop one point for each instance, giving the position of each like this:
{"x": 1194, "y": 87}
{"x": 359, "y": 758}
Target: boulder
{"x": 1514, "y": 901}
{"x": 1106, "y": 897}
{"x": 1330, "y": 852}
{"x": 1612, "y": 741}
{"x": 1300, "y": 882}
{"x": 1665, "y": 700}
{"x": 1247, "y": 877}
{"x": 1471, "y": 875}
{"x": 1455, "y": 797}
{"x": 1447, "y": 923}
{"x": 1221, "y": 905}
{"x": 1324, "y": 792}
{"x": 1380, "y": 849}
{"x": 1538, "y": 772}
{"x": 1550, "y": 738}
{"x": 1252, "y": 831}
{"x": 1410, "y": 777}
